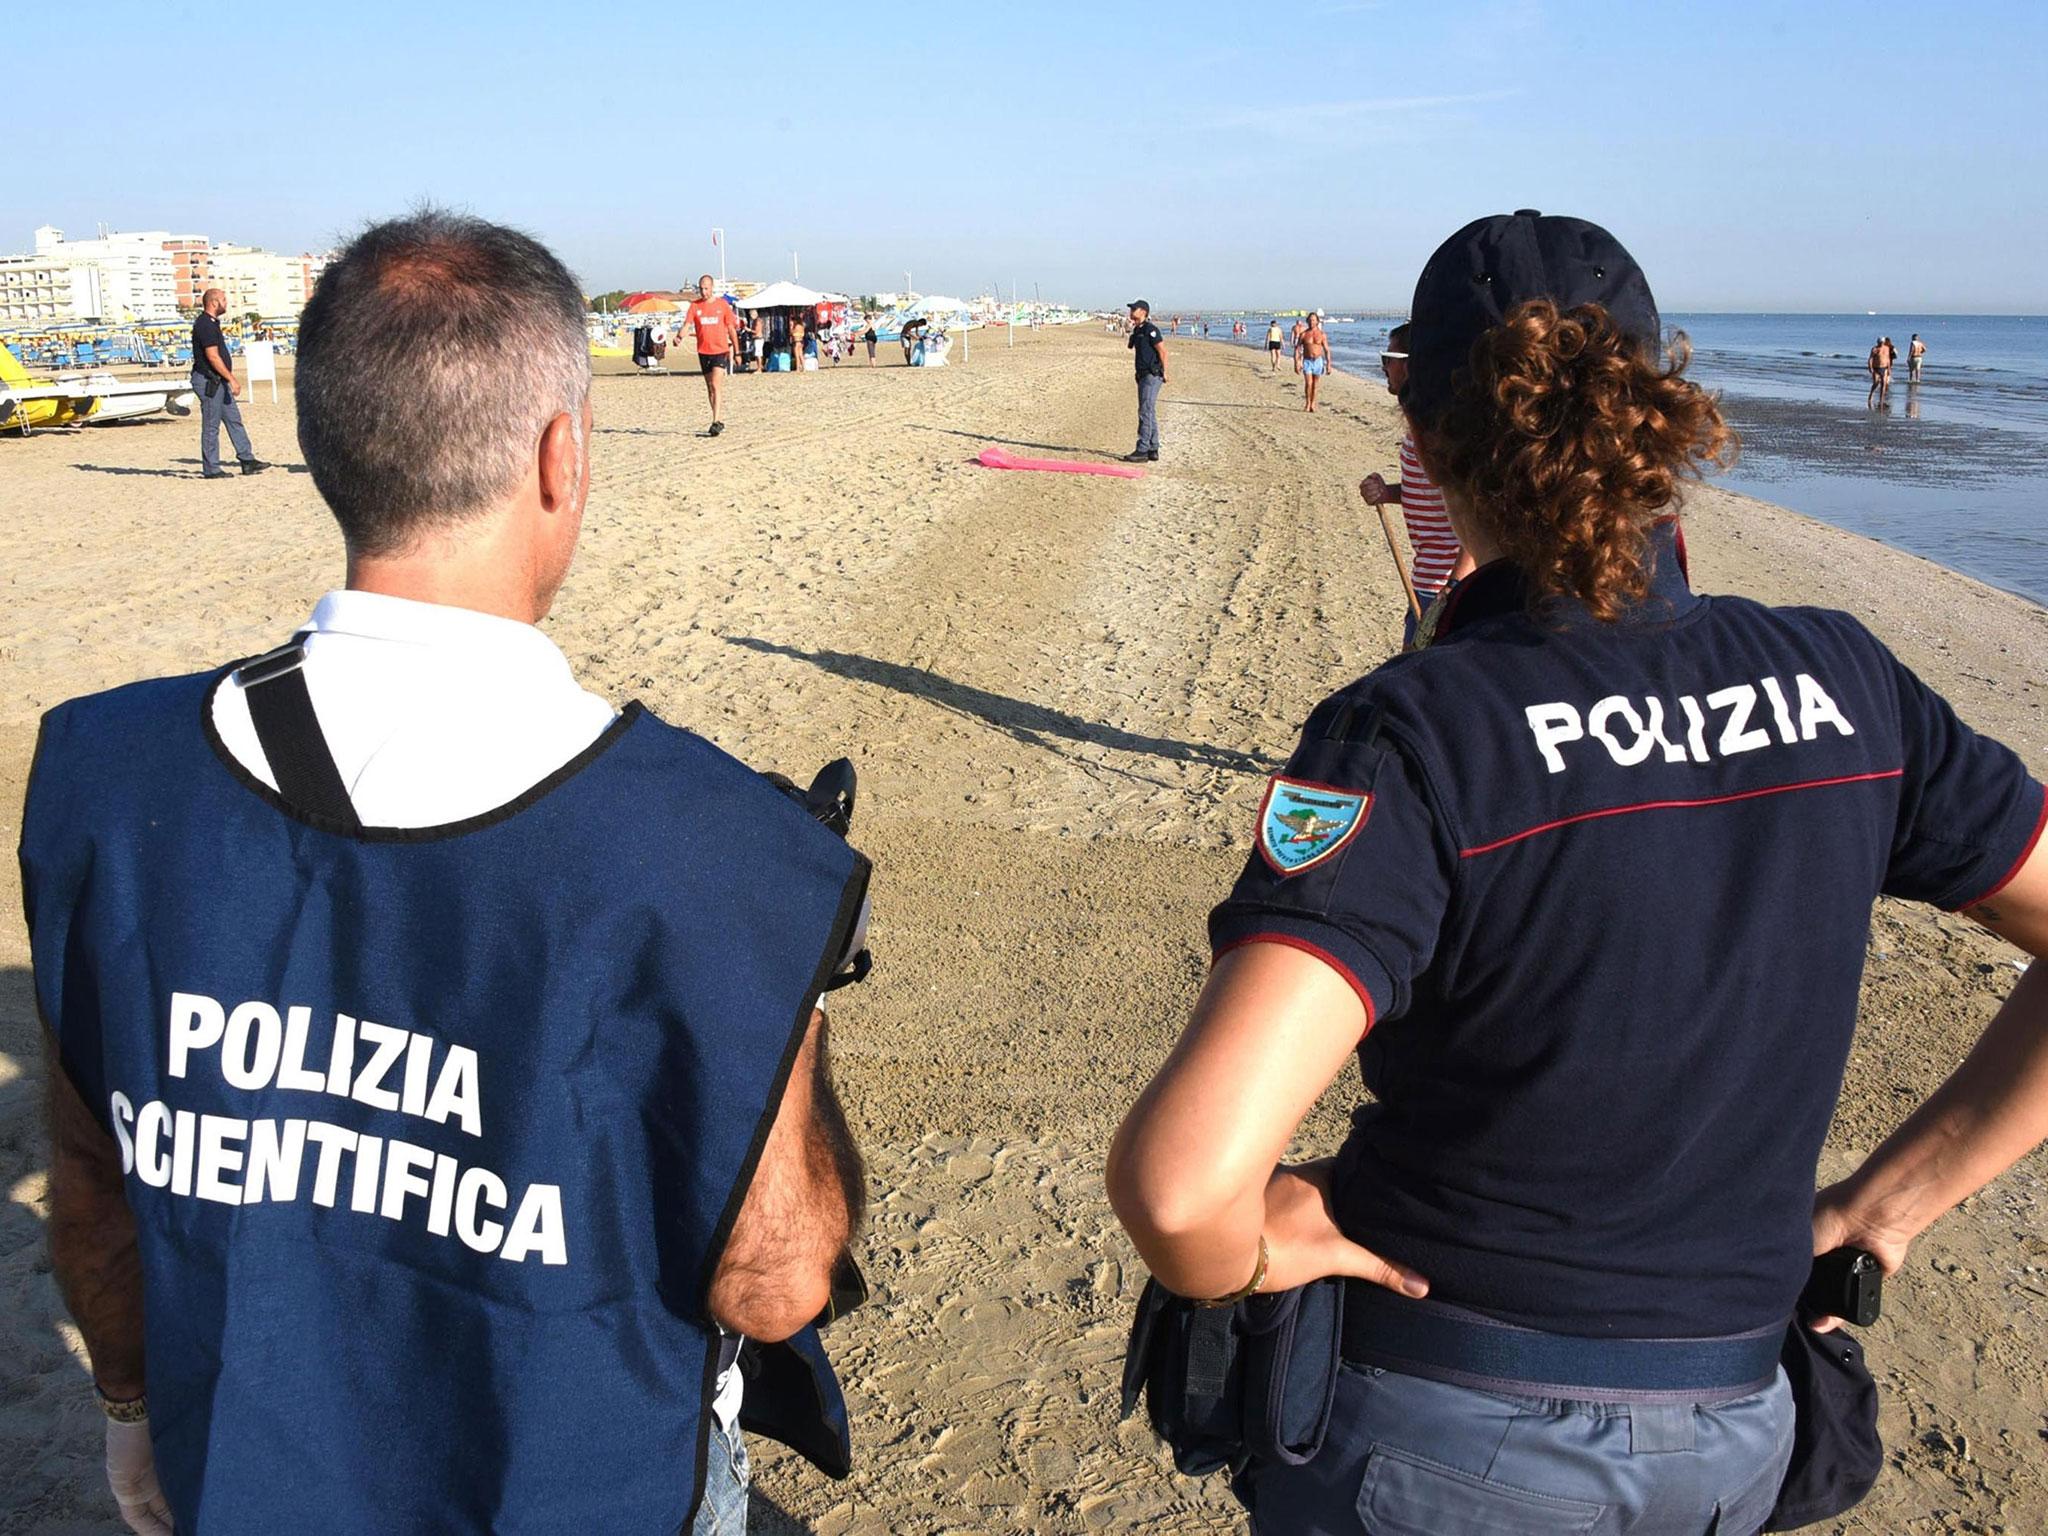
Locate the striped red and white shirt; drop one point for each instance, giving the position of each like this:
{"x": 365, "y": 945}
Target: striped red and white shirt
{"x": 1429, "y": 526}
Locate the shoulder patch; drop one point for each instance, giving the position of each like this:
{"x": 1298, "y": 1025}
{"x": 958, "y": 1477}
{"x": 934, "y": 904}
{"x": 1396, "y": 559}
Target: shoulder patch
{"x": 1301, "y": 823}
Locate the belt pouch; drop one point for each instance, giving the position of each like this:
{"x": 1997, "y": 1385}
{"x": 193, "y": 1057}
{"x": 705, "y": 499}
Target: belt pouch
{"x": 1225, "y": 1384}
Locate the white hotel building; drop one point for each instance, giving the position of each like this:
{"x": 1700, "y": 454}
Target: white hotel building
{"x": 148, "y": 276}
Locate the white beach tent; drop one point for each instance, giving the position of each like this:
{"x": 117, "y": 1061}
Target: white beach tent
{"x": 784, "y": 296}
{"x": 934, "y": 306}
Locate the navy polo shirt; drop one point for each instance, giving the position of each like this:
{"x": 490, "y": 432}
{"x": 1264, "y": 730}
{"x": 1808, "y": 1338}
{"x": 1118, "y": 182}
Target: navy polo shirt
{"x": 206, "y": 332}
{"x": 1144, "y": 346}
{"x": 1605, "y": 892}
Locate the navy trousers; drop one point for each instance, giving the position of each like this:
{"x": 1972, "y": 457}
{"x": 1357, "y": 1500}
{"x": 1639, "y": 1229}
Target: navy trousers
{"x": 216, "y": 410}
{"x": 1408, "y": 1457}
{"x": 1148, "y": 413}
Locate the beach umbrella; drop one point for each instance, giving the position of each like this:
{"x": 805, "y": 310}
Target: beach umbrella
{"x": 783, "y": 295}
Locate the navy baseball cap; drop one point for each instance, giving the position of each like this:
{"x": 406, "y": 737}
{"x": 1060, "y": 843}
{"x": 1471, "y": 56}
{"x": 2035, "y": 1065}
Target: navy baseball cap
{"x": 1495, "y": 263}
{"x": 1139, "y": 304}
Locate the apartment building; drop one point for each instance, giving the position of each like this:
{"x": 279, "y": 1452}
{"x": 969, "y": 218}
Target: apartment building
{"x": 138, "y": 279}
{"x": 260, "y": 282}
{"x": 191, "y": 268}
{"x": 42, "y": 290}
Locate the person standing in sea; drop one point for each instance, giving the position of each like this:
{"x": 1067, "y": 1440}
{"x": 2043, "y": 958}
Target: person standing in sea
{"x": 1880, "y": 365}
{"x": 1916, "y": 349}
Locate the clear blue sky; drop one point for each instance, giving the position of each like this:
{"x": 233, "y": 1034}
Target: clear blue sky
{"x": 1809, "y": 155}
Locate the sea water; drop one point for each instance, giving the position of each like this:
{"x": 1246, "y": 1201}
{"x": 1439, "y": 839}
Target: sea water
{"x": 1955, "y": 469}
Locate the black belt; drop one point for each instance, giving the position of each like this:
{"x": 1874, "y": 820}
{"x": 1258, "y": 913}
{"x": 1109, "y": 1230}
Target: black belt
{"x": 1446, "y": 1343}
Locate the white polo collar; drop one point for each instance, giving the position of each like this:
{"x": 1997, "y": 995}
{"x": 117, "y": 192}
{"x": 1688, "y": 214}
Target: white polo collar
{"x": 441, "y": 626}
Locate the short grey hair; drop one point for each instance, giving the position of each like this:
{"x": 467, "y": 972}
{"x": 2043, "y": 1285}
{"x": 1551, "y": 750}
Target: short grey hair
{"x": 434, "y": 351}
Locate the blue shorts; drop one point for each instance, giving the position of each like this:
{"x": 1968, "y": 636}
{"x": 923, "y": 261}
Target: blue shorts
{"x": 1409, "y": 1457}
{"x": 1315, "y": 365}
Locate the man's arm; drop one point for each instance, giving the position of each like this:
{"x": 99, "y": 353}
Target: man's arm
{"x": 1162, "y": 363}
{"x": 807, "y": 1198}
{"x": 1378, "y": 492}
{"x": 1991, "y": 1112}
{"x": 221, "y": 366}
{"x": 92, "y": 1237}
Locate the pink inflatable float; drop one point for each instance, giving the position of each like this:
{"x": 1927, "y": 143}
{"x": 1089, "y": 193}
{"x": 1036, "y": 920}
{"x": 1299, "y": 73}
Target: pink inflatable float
{"x": 996, "y": 458}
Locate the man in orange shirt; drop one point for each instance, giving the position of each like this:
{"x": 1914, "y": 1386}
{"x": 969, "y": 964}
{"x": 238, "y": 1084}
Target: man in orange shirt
{"x": 717, "y": 338}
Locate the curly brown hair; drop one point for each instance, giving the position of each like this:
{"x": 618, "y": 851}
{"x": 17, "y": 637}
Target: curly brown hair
{"x": 1566, "y": 439}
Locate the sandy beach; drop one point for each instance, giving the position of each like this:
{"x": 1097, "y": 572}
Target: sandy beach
{"x": 1062, "y": 693}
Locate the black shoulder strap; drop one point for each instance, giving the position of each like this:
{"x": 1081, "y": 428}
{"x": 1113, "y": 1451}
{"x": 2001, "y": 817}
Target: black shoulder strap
{"x": 281, "y": 709}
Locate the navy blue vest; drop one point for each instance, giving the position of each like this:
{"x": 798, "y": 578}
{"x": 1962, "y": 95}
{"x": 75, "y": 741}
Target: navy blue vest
{"x": 434, "y": 1137}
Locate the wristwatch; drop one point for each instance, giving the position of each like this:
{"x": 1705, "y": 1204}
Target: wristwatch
{"x": 134, "y": 1410}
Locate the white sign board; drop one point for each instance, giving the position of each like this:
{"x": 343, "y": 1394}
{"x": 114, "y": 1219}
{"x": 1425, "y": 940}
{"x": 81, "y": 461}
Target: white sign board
{"x": 259, "y": 362}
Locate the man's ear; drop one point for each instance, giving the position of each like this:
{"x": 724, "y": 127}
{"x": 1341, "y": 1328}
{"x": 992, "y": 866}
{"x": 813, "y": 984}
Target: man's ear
{"x": 561, "y": 463}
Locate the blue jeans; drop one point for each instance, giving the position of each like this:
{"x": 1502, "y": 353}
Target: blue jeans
{"x": 215, "y": 411}
{"x": 1409, "y": 1457}
{"x": 726, "y": 1476}
{"x": 1148, "y": 412}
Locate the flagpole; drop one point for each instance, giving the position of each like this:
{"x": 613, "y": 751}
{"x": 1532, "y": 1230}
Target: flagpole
{"x": 718, "y": 239}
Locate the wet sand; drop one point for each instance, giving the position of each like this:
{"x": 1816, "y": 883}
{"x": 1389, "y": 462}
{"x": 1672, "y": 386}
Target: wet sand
{"x": 1062, "y": 693}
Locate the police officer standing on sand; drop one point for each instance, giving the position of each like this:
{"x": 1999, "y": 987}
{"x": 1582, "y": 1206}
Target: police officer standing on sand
{"x": 438, "y": 1085}
{"x": 1148, "y": 350}
{"x": 1586, "y": 887}
{"x": 214, "y": 382}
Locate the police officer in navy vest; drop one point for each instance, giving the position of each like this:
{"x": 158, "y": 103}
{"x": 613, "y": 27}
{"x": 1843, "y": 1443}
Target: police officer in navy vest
{"x": 1586, "y": 887}
{"x": 439, "y": 1086}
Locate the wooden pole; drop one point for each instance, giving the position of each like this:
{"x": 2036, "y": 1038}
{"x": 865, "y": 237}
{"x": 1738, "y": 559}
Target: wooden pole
{"x": 1400, "y": 565}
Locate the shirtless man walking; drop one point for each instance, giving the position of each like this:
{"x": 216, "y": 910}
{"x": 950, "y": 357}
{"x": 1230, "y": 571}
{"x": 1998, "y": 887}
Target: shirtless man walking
{"x": 1915, "y": 350}
{"x": 1882, "y": 356}
{"x": 1315, "y": 359}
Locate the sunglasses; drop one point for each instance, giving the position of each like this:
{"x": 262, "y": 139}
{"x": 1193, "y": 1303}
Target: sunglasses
{"x": 1392, "y": 357}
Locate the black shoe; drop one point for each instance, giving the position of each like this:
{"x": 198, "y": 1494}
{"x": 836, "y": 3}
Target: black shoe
{"x": 1152, "y": 457}
{"x": 215, "y": 474}
{"x": 1136, "y": 458}
{"x": 253, "y": 466}
{"x": 717, "y": 427}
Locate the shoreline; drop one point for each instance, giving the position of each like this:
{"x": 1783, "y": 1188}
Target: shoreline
{"x": 1957, "y": 488}
{"x": 1063, "y": 694}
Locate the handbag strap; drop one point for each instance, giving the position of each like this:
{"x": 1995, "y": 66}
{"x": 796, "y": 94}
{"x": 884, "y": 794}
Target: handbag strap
{"x": 288, "y": 729}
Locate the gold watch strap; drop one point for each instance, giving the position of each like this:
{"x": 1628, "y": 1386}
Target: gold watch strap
{"x": 1249, "y": 1288}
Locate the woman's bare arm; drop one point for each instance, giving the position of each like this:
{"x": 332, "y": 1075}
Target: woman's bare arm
{"x": 1192, "y": 1172}
{"x": 1991, "y": 1112}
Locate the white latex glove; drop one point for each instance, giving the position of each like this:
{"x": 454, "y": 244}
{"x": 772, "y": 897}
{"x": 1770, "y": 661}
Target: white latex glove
{"x": 131, "y": 1474}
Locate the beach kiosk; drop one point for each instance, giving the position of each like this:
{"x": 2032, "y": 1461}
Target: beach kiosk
{"x": 772, "y": 308}
{"x": 935, "y": 342}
